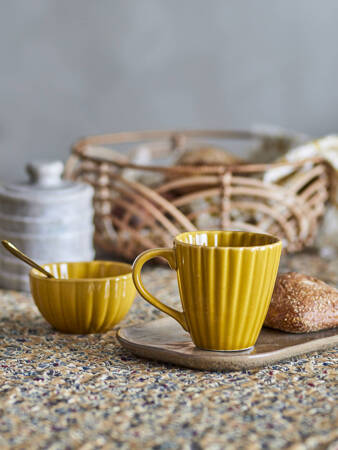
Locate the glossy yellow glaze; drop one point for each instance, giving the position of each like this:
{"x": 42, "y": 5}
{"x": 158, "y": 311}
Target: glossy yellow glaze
{"x": 225, "y": 279}
{"x": 84, "y": 297}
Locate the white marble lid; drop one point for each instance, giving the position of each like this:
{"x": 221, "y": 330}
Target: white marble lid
{"x": 45, "y": 182}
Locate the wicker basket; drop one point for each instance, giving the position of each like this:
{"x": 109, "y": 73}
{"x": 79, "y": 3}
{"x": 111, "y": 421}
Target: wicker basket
{"x": 141, "y": 206}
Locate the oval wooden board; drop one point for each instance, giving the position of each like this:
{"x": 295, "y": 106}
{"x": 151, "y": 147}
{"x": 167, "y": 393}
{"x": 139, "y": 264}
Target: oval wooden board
{"x": 164, "y": 340}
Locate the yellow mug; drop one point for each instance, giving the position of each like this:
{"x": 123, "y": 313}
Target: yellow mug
{"x": 225, "y": 280}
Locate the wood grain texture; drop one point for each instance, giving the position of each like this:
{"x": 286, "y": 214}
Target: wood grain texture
{"x": 164, "y": 340}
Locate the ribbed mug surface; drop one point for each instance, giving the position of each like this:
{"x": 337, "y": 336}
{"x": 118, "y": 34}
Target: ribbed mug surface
{"x": 225, "y": 280}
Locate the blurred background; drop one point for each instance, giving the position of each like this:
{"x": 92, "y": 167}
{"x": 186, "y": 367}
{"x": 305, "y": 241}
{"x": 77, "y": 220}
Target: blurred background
{"x": 70, "y": 68}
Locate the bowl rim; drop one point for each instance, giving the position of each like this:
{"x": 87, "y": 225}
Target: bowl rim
{"x": 39, "y": 276}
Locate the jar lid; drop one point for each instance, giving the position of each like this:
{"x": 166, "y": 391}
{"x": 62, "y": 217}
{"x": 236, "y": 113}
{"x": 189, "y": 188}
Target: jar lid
{"x": 44, "y": 182}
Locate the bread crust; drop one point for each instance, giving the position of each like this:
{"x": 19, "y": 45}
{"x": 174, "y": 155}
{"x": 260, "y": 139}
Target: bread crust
{"x": 301, "y": 304}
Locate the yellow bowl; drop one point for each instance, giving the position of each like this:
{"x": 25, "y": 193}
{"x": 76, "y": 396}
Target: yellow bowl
{"x": 85, "y": 297}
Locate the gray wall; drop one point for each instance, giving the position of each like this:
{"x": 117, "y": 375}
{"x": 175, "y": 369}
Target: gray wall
{"x": 74, "y": 67}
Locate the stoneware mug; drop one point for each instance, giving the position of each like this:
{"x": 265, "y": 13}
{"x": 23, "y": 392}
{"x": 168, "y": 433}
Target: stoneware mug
{"x": 225, "y": 280}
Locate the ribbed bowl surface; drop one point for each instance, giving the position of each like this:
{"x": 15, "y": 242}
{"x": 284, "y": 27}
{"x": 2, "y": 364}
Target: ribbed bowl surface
{"x": 86, "y": 297}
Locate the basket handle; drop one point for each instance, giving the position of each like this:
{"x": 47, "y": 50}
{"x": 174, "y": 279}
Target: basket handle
{"x": 169, "y": 255}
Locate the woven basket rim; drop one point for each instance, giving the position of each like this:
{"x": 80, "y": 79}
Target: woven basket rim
{"x": 80, "y": 148}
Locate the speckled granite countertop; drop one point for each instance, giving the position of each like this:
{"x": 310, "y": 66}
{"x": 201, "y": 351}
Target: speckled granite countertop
{"x": 63, "y": 392}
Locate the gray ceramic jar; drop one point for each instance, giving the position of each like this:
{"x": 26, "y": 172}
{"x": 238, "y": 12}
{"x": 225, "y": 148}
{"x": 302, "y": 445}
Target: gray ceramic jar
{"x": 48, "y": 218}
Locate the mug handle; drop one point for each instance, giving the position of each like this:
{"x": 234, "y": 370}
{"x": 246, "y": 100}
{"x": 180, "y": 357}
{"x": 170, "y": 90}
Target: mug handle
{"x": 169, "y": 255}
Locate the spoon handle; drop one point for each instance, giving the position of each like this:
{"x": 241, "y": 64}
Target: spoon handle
{"x": 16, "y": 252}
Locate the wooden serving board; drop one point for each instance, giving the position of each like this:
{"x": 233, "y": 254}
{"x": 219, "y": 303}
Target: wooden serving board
{"x": 165, "y": 340}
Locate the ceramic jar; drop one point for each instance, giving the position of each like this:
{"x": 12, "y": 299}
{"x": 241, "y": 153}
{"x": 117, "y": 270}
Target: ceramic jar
{"x": 48, "y": 218}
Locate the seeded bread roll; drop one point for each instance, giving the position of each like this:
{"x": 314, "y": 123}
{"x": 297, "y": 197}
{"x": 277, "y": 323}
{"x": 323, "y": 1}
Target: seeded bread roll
{"x": 301, "y": 304}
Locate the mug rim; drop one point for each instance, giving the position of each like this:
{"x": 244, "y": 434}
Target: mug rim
{"x": 275, "y": 240}
{"x": 34, "y": 273}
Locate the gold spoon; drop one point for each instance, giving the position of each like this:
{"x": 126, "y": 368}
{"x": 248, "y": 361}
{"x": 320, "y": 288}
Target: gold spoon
{"x": 16, "y": 252}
